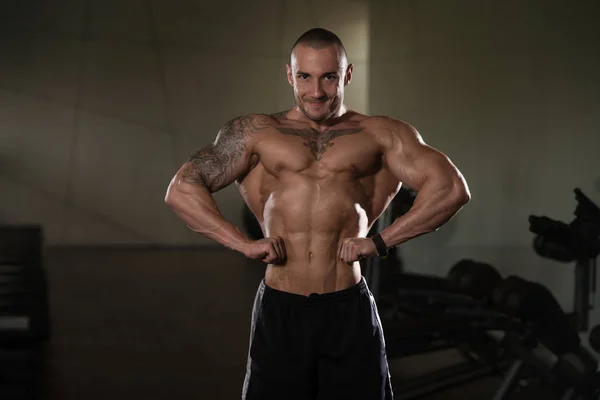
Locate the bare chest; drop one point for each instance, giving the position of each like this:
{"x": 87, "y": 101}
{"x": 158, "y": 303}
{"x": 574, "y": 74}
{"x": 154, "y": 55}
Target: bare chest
{"x": 344, "y": 149}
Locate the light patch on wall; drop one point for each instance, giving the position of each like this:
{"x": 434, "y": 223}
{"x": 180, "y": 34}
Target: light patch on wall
{"x": 357, "y": 46}
{"x": 350, "y": 20}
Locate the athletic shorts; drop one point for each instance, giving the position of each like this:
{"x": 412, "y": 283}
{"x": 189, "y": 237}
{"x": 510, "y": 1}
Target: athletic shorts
{"x": 323, "y": 346}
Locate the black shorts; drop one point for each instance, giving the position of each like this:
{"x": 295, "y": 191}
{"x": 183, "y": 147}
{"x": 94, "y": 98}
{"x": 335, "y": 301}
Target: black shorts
{"x": 316, "y": 347}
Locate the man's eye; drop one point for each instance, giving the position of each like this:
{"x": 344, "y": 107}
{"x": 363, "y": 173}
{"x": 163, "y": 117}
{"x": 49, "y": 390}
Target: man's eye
{"x": 304, "y": 76}
{"x": 331, "y": 77}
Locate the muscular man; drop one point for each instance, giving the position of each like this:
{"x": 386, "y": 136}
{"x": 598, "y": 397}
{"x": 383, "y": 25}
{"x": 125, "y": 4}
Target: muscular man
{"x": 317, "y": 177}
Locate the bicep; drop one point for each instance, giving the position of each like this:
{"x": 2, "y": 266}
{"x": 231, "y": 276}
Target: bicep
{"x": 412, "y": 161}
{"x": 219, "y": 164}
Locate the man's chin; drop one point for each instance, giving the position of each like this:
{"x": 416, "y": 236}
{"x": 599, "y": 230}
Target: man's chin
{"x": 316, "y": 117}
{"x": 319, "y": 118}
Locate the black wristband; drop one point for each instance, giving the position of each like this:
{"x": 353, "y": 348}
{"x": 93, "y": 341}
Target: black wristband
{"x": 382, "y": 249}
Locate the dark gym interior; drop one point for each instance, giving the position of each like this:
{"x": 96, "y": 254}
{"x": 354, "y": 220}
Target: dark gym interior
{"x": 106, "y": 294}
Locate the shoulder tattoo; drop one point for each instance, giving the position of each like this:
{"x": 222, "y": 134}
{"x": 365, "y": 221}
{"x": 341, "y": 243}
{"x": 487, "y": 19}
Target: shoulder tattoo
{"x": 281, "y": 114}
{"x": 220, "y": 163}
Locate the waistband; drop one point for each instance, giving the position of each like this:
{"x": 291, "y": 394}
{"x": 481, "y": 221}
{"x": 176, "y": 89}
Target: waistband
{"x": 355, "y": 290}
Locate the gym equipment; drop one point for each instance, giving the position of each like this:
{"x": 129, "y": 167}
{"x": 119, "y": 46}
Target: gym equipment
{"x": 23, "y": 304}
{"x": 434, "y": 313}
{"x": 594, "y": 338}
{"x": 417, "y": 295}
{"x": 577, "y": 241}
{"x": 477, "y": 279}
{"x": 24, "y": 311}
{"x": 514, "y": 328}
{"x": 579, "y": 238}
{"x": 459, "y": 324}
{"x": 519, "y": 345}
{"x": 532, "y": 302}
{"x": 550, "y": 349}
{"x": 568, "y": 376}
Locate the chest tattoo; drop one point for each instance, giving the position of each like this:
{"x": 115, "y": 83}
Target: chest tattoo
{"x": 318, "y": 142}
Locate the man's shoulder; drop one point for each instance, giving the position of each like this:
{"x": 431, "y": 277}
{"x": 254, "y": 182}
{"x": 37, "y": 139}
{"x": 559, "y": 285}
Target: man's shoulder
{"x": 250, "y": 123}
{"x": 255, "y": 117}
{"x": 384, "y": 122}
{"x": 385, "y": 127}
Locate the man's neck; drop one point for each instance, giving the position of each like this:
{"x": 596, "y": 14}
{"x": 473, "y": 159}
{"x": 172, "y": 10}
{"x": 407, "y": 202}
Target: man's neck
{"x": 334, "y": 119}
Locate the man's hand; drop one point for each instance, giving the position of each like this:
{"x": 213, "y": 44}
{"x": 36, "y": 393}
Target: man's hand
{"x": 270, "y": 250}
{"x": 354, "y": 249}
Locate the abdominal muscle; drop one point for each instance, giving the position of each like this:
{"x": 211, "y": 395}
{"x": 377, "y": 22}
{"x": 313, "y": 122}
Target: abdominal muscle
{"x": 313, "y": 220}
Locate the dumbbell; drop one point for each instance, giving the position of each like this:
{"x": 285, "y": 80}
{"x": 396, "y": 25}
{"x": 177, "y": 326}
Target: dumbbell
{"x": 477, "y": 279}
{"x": 534, "y": 303}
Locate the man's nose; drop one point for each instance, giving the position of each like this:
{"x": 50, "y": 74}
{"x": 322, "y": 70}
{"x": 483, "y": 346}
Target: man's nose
{"x": 318, "y": 91}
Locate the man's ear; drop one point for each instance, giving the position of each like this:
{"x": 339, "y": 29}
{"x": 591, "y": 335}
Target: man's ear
{"x": 290, "y": 77}
{"x": 348, "y": 77}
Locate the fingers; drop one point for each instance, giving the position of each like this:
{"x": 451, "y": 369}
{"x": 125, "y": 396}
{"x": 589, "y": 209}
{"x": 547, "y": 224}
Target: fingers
{"x": 275, "y": 247}
{"x": 352, "y": 250}
{"x": 271, "y": 256}
{"x": 275, "y": 250}
{"x": 280, "y": 246}
{"x": 283, "y": 249}
{"x": 348, "y": 252}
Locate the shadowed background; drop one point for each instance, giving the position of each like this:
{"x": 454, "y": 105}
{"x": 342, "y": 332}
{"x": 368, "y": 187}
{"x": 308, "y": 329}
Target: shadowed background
{"x": 102, "y": 101}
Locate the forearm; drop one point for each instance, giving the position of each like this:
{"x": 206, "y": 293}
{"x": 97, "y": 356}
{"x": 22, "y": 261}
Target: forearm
{"x": 197, "y": 208}
{"x": 434, "y": 205}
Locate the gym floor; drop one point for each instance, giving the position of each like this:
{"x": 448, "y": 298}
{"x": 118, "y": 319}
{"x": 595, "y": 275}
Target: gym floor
{"x": 166, "y": 324}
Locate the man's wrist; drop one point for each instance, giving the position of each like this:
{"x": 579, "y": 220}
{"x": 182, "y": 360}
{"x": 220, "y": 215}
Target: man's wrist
{"x": 382, "y": 249}
{"x": 242, "y": 247}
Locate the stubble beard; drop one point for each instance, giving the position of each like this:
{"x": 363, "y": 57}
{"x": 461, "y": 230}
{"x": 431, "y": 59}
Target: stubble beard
{"x": 334, "y": 108}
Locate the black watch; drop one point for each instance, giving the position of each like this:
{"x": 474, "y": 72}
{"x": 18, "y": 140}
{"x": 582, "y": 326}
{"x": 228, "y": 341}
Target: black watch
{"x": 382, "y": 249}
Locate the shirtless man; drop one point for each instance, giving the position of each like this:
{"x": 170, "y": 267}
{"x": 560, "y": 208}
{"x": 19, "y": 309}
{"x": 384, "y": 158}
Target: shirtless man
{"x": 317, "y": 177}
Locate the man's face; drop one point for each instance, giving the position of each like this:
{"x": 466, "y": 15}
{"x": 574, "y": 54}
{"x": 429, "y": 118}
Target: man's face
{"x": 318, "y": 77}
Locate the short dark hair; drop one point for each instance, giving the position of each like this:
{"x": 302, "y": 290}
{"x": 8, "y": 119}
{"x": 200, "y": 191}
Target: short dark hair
{"x": 318, "y": 38}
